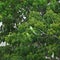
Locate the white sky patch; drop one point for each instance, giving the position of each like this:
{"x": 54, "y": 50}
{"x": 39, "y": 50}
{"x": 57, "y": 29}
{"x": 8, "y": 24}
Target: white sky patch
{"x": 24, "y": 17}
{"x": 19, "y": 11}
{"x": 22, "y": 20}
{"x": 57, "y": 58}
{"x": 48, "y": 3}
{"x": 3, "y": 44}
{"x": 0, "y": 24}
{"x": 40, "y": 13}
{"x": 47, "y": 57}
{"x": 52, "y": 55}
{"x": 59, "y": 1}
{"x": 15, "y": 25}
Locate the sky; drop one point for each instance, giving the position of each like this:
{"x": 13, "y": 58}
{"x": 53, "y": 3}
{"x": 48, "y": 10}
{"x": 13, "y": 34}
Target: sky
{"x": 3, "y": 43}
{"x": 0, "y": 24}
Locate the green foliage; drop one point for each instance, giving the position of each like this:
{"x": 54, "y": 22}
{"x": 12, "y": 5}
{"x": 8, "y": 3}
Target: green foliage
{"x": 31, "y": 28}
{"x": 55, "y": 6}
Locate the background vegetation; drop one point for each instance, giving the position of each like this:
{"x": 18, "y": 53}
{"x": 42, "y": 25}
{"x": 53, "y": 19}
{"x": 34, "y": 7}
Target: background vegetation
{"x": 31, "y": 28}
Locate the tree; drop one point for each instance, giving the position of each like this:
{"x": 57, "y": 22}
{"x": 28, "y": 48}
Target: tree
{"x": 31, "y": 28}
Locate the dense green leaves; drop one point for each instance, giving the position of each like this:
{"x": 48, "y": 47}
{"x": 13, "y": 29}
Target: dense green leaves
{"x": 31, "y": 28}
